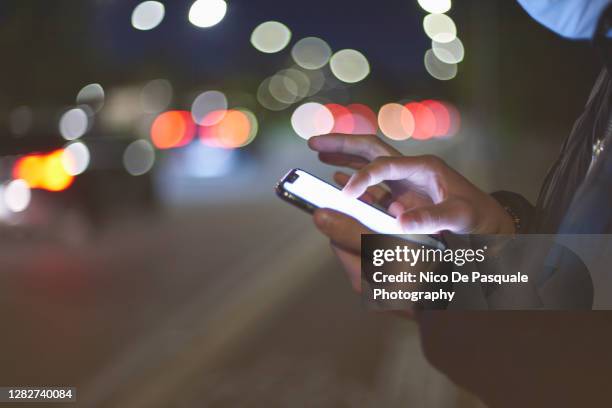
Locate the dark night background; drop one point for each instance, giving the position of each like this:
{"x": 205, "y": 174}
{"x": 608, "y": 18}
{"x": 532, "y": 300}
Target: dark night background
{"x": 174, "y": 290}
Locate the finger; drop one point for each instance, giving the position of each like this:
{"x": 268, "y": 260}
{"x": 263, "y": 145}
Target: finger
{"x": 374, "y": 194}
{"x": 396, "y": 209}
{"x": 351, "y": 263}
{"x": 344, "y": 231}
{"x": 452, "y": 215}
{"x": 341, "y": 179}
{"x": 367, "y": 147}
{"x": 425, "y": 173}
{"x": 343, "y": 160}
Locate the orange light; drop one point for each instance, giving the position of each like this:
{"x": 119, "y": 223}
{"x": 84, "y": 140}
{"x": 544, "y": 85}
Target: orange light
{"x": 233, "y": 130}
{"x": 55, "y": 176}
{"x": 45, "y": 172}
{"x": 343, "y": 119}
{"x": 424, "y": 121}
{"x": 30, "y": 169}
{"x": 172, "y": 129}
{"x": 364, "y": 119}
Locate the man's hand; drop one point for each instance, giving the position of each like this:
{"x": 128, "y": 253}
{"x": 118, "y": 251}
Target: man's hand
{"x": 425, "y": 194}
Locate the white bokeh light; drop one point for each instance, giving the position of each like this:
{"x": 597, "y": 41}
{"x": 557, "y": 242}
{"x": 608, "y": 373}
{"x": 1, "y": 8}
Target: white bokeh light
{"x": 204, "y": 104}
{"x": 450, "y": 52}
{"x": 265, "y": 98}
{"x": 439, "y": 69}
{"x": 73, "y": 124}
{"x": 311, "y": 53}
{"x": 139, "y": 157}
{"x": 349, "y": 66}
{"x": 91, "y": 95}
{"x": 270, "y": 37}
{"x": 312, "y": 119}
{"x": 148, "y": 15}
{"x": 435, "y": 6}
{"x": 75, "y": 158}
{"x": 440, "y": 27}
{"x": 17, "y": 195}
{"x": 207, "y": 13}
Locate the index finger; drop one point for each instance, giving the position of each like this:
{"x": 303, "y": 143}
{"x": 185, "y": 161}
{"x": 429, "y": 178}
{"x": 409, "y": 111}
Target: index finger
{"x": 368, "y": 147}
{"x": 423, "y": 172}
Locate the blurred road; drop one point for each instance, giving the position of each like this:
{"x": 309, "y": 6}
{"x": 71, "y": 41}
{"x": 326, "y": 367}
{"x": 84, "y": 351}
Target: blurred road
{"x": 180, "y": 310}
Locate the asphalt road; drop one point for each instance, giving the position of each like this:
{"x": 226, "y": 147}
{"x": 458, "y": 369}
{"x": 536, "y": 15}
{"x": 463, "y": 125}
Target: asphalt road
{"x": 208, "y": 306}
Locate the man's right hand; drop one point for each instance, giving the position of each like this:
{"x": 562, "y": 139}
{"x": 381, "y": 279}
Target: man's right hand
{"x": 423, "y": 192}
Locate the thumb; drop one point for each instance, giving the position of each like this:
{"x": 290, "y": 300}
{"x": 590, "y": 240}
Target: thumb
{"x": 449, "y": 215}
{"x": 344, "y": 231}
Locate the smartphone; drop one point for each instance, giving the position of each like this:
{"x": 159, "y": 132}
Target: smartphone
{"x": 308, "y": 192}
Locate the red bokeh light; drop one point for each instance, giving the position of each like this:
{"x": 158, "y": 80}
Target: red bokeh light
{"x": 424, "y": 121}
{"x": 344, "y": 121}
{"x": 364, "y": 119}
{"x": 442, "y": 117}
{"x": 172, "y": 129}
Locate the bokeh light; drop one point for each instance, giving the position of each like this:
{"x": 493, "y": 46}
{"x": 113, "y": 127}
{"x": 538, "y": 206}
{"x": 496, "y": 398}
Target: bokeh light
{"x": 438, "y": 69}
{"x": 343, "y": 119}
{"x": 396, "y": 121}
{"x": 30, "y": 168}
{"x": 265, "y": 98}
{"x": 442, "y": 117}
{"x": 424, "y": 121}
{"x": 440, "y": 28}
{"x": 147, "y": 15}
{"x": 311, "y": 53}
{"x": 75, "y": 158}
{"x": 206, "y": 103}
{"x": 455, "y": 120}
{"x": 253, "y": 126}
{"x": 139, "y": 157}
{"x": 435, "y": 6}
{"x": 312, "y": 119}
{"x": 43, "y": 171}
{"x": 55, "y": 176}
{"x": 232, "y": 131}
{"x": 156, "y": 96}
{"x": 20, "y": 120}
{"x": 451, "y": 52}
{"x": 317, "y": 81}
{"x": 73, "y": 124}
{"x": 289, "y": 86}
{"x": 364, "y": 119}
{"x": 16, "y": 195}
{"x": 207, "y": 13}
{"x": 270, "y": 37}
{"x": 91, "y": 95}
{"x": 349, "y": 66}
{"x": 172, "y": 129}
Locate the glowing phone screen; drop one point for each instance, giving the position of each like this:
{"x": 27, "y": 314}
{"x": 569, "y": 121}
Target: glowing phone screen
{"x": 324, "y": 195}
